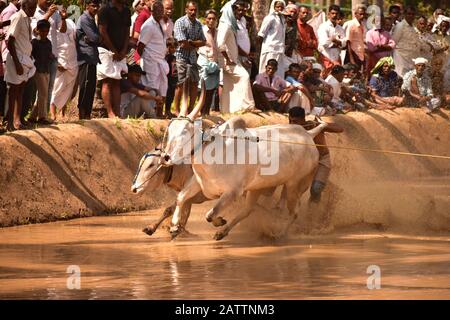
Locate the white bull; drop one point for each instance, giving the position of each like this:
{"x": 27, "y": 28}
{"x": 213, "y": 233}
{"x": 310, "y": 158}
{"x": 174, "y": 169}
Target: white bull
{"x": 298, "y": 160}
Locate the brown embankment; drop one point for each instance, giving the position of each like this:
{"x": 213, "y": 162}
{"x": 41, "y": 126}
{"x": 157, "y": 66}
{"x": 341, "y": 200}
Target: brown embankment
{"x": 83, "y": 169}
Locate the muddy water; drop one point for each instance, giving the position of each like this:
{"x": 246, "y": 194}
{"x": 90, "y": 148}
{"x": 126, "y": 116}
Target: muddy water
{"x": 117, "y": 260}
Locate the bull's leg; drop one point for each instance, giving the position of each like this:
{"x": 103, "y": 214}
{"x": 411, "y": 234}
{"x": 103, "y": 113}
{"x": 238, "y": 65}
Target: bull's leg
{"x": 250, "y": 201}
{"x": 291, "y": 203}
{"x": 191, "y": 189}
{"x": 225, "y": 200}
{"x": 293, "y": 195}
{"x": 151, "y": 229}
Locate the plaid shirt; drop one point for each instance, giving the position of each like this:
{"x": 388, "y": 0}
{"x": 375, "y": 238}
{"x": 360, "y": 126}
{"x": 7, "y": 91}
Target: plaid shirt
{"x": 184, "y": 29}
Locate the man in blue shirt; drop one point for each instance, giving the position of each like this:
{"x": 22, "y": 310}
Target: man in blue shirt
{"x": 88, "y": 39}
{"x": 188, "y": 31}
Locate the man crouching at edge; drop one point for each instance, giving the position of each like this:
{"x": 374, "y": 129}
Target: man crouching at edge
{"x": 297, "y": 116}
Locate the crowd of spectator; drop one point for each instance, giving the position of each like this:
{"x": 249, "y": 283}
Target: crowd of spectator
{"x": 140, "y": 59}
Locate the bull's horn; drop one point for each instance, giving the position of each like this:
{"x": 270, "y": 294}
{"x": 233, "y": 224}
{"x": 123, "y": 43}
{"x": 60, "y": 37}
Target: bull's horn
{"x": 200, "y": 102}
{"x": 185, "y": 98}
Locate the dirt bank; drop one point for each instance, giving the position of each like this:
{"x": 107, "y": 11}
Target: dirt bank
{"x": 82, "y": 169}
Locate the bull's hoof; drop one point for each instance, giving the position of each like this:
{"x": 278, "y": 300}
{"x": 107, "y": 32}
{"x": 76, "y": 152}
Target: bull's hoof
{"x": 149, "y": 230}
{"x": 175, "y": 231}
{"x": 219, "y": 222}
{"x": 220, "y": 235}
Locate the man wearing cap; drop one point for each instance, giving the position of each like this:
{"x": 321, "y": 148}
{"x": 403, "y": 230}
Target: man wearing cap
{"x": 152, "y": 48}
{"x": 417, "y": 87}
{"x": 137, "y": 8}
{"x": 136, "y": 99}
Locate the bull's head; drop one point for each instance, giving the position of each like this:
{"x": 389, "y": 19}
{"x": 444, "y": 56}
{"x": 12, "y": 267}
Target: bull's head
{"x": 150, "y": 173}
{"x": 179, "y": 136}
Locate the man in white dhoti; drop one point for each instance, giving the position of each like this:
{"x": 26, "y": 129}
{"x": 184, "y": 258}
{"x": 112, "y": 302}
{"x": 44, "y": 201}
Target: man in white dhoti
{"x": 152, "y": 49}
{"x": 406, "y": 48}
{"x": 271, "y": 36}
{"x": 237, "y": 92}
{"x": 66, "y": 75}
{"x": 19, "y": 66}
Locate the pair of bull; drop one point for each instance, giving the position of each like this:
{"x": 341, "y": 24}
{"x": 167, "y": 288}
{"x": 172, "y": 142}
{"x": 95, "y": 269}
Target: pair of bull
{"x": 199, "y": 182}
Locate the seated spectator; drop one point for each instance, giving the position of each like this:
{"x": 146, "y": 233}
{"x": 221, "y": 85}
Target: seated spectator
{"x": 270, "y": 91}
{"x": 42, "y": 54}
{"x": 321, "y": 91}
{"x": 385, "y": 83}
{"x": 418, "y": 89}
{"x": 135, "y": 99}
{"x": 301, "y": 97}
{"x": 335, "y": 81}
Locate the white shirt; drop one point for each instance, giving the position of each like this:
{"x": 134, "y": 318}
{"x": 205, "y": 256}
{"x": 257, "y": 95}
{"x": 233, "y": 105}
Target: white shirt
{"x": 209, "y": 50}
{"x": 154, "y": 39}
{"x": 336, "y": 85}
{"x": 67, "y": 50}
{"x": 168, "y": 28}
{"x": 20, "y": 29}
{"x": 55, "y": 25}
{"x": 242, "y": 38}
{"x": 273, "y": 31}
{"x": 325, "y": 33}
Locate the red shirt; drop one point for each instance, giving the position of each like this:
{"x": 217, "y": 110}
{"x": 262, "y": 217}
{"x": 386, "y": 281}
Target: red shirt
{"x": 305, "y": 34}
{"x": 141, "y": 18}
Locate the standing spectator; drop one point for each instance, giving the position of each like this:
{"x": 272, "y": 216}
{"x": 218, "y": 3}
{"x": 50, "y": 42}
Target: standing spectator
{"x": 66, "y": 76}
{"x": 19, "y": 66}
{"x": 355, "y": 35}
{"x": 208, "y": 59}
{"x": 172, "y": 77}
{"x": 291, "y": 39}
{"x": 379, "y": 43}
{"x": 425, "y": 38}
{"x": 5, "y": 16}
{"x": 48, "y": 10}
{"x": 236, "y": 93}
{"x": 190, "y": 37}
{"x": 114, "y": 20}
{"x": 167, "y": 18}
{"x": 441, "y": 59}
{"x": 307, "y": 41}
{"x": 42, "y": 55}
{"x": 137, "y": 7}
{"x": 271, "y": 36}
{"x": 417, "y": 87}
{"x": 395, "y": 13}
{"x": 152, "y": 49}
{"x": 243, "y": 38}
{"x": 331, "y": 39}
{"x": 88, "y": 39}
{"x": 140, "y": 20}
{"x": 405, "y": 38}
